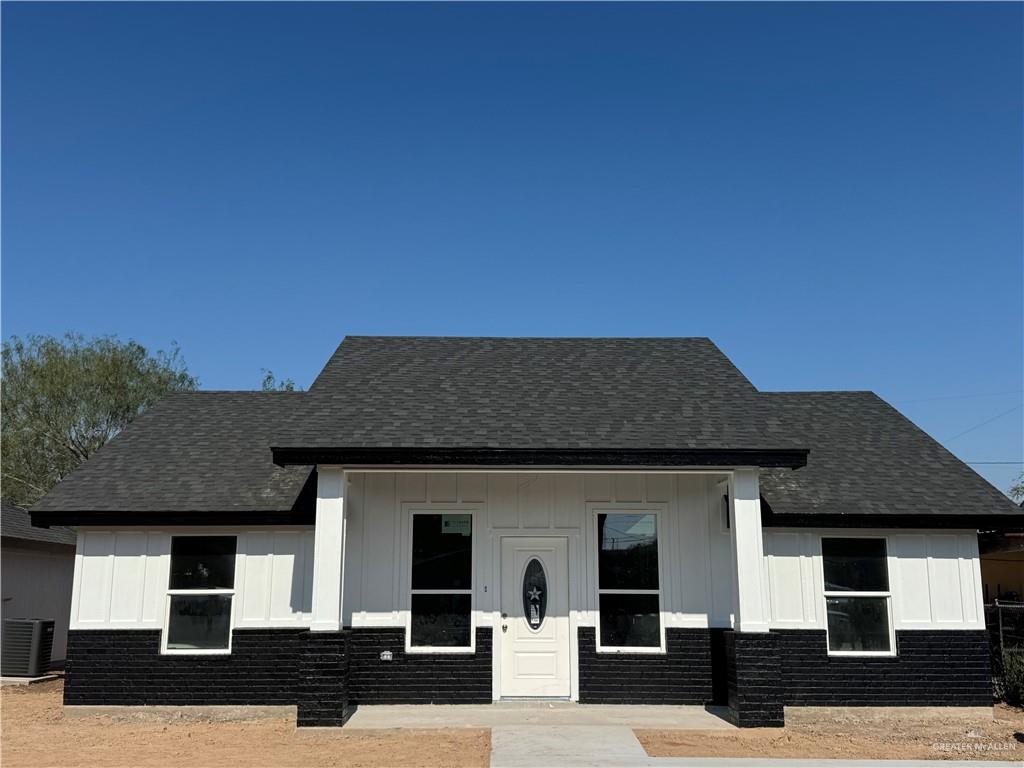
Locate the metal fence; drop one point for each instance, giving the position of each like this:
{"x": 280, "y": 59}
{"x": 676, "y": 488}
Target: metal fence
{"x": 1005, "y": 621}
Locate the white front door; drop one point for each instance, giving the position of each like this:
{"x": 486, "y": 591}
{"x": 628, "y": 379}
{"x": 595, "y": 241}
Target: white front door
{"x": 534, "y": 616}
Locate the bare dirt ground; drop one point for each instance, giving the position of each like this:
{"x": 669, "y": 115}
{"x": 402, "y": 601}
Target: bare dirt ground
{"x": 851, "y": 735}
{"x": 34, "y": 732}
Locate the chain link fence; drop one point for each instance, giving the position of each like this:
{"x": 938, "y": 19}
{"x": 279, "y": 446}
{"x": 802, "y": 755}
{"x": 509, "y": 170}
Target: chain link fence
{"x": 1005, "y": 622}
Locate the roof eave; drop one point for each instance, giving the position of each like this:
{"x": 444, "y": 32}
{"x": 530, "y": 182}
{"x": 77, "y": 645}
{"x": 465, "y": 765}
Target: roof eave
{"x": 120, "y": 518}
{"x": 980, "y": 522}
{"x": 608, "y": 458}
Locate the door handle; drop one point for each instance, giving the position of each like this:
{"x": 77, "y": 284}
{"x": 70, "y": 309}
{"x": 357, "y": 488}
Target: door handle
{"x": 504, "y": 627}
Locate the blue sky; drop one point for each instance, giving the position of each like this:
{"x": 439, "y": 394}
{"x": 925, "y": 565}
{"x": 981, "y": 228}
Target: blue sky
{"x": 832, "y": 192}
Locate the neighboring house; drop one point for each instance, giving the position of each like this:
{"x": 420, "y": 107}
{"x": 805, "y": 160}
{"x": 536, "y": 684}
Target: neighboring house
{"x": 472, "y": 519}
{"x": 37, "y": 568}
{"x": 1002, "y": 566}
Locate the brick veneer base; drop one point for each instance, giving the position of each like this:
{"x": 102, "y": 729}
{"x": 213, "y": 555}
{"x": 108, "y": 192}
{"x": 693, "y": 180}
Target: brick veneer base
{"x": 753, "y": 679}
{"x": 323, "y": 693}
{"x": 416, "y": 678}
{"x": 932, "y": 668}
{"x": 125, "y": 667}
{"x": 323, "y": 672}
{"x": 682, "y": 675}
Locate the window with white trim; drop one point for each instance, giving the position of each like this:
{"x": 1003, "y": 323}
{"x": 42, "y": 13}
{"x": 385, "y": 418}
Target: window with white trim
{"x": 628, "y": 581}
{"x": 441, "y": 594}
{"x": 199, "y": 594}
{"x": 857, "y": 596}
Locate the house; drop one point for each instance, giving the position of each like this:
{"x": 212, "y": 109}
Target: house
{"x": 37, "y": 567}
{"x": 1002, "y": 565}
{"x": 474, "y": 519}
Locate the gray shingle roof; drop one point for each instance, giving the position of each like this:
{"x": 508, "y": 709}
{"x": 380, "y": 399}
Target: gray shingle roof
{"x": 868, "y": 459}
{"x": 536, "y": 393}
{"x": 16, "y": 524}
{"x": 209, "y": 452}
{"x": 192, "y": 451}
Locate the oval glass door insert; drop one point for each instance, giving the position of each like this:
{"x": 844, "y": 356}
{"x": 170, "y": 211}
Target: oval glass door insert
{"x": 535, "y": 593}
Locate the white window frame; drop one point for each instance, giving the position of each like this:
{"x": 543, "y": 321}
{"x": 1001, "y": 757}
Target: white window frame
{"x": 630, "y": 509}
{"x": 826, "y": 594}
{"x": 435, "y": 649}
{"x": 164, "y": 650}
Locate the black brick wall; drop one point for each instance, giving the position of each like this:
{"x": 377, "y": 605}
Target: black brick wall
{"x": 753, "y": 677}
{"x": 932, "y": 668}
{"x": 289, "y": 666}
{"x": 323, "y": 684}
{"x": 124, "y": 667}
{"x": 682, "y": 675}
{"x": 416, "y": 678}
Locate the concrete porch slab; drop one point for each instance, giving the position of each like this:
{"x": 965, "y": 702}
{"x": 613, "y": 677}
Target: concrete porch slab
{"x": 534, "y": 713}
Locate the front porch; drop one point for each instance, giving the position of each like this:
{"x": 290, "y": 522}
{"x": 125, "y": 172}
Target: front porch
{"x": 638, "y": 587}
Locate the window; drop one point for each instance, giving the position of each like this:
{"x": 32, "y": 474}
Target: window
{"x": 442, "y": 581}
{"x": 629, "y": 595}
{"x": 857, "y": 596}
{"x": 199, "y": 594}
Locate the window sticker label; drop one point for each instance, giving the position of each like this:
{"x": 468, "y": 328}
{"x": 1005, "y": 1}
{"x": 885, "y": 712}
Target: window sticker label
{"x": 457, "y": 525}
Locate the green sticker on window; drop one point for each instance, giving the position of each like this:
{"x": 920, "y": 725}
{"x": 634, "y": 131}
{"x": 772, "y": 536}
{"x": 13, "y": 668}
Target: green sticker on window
{"x": 457, "y": 525}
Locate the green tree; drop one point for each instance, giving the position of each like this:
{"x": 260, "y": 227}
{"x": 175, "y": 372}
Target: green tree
{"x": 63, "y": 399}
{"x": 1017, "y": 489}
{"x": 270, "y": 384}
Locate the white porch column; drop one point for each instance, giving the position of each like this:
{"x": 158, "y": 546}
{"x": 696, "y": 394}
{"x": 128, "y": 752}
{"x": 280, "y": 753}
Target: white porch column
{"x": 329, "y": 550}
{"x": 750, "y": 584}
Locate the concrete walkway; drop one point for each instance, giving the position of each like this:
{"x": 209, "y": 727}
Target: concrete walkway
{"x": 565, "y": 746}
{"x": 589, "y": 746}
{"x": 562, "y": 734}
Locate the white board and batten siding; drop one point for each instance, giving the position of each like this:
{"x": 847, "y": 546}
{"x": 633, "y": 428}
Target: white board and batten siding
{"x": 121, "y": 577}
{"x": 934, "y": 578}
{"x": 379, "y": 507}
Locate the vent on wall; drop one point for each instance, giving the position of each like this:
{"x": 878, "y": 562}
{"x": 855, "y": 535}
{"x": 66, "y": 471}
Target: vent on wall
{"x": 26, "y": 647}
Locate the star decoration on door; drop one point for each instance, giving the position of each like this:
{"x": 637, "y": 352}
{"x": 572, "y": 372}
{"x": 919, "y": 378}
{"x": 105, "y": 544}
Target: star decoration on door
{"x": 534, "y": 594}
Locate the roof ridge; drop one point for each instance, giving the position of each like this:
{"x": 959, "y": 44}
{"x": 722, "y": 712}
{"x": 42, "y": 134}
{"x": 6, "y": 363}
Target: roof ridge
{"x": 528, "y": 338}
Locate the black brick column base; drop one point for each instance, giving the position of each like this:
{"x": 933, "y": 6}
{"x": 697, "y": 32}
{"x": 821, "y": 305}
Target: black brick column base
{"x": 754, "y": 674}
{"x": 323, "y": 695}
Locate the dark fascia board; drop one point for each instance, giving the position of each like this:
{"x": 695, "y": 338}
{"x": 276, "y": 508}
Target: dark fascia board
{"x": 197, "y": 518}
{"x": 792, "y": 458}
{"x": 14, "y": 542}
{"x": 998, "y": 522}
